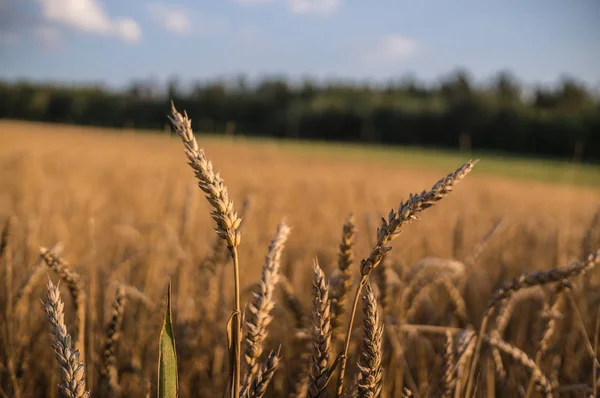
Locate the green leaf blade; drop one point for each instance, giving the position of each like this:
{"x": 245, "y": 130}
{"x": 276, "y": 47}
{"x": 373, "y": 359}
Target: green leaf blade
{"x": 167, "y": 356}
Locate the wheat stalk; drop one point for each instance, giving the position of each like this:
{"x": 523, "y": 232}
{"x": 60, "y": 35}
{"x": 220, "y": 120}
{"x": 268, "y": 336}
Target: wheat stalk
{"x": 478, "y": 249}
{"x": 228, "y": 224}
{"x": 389, "y": 230}
{"x": 456, "y": 299}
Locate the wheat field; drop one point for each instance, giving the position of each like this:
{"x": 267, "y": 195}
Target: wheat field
{"x": 108, "y": 221}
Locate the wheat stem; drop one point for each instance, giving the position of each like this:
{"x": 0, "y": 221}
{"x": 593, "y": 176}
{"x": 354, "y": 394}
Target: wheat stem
{"x": 237, "y": 326}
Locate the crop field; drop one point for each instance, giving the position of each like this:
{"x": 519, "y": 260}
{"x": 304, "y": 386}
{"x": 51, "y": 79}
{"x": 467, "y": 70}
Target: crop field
{"x": 115, "y": 219}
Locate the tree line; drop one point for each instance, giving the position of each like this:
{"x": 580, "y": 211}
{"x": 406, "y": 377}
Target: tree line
{"x": 560, "y": 121}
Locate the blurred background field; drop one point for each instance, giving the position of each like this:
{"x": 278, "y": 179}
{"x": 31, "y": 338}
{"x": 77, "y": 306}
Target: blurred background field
{"x": 65, "y": 176}
{"x": 124, "y": 204}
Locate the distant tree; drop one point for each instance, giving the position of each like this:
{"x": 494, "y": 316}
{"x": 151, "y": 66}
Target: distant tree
{"x": 276, "y": 91}
{"x": 546, "y": 98}
{"x": 457, "y": 86}
{"x": 412, "y": 87}
{"x": 308, "y": 90}
{"x": 560, "y": 120}
{"x": 507, "y": 87}
{"x": 573, "y": 96}
{"x": 173, "y": 87}
{"x": 140, "y": 90}
{"x": 241, "y": 83}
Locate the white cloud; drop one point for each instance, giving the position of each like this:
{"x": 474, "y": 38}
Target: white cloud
{"x": 175, "y": 19}
{"x": 181, "y": 20}
{"x": 395, "y": 47}
{"x": 89, "y": 16}
{"x": 322, "y": 7}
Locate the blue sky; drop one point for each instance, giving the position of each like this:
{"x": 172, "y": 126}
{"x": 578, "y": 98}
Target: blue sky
{"x": 115, "y": 41}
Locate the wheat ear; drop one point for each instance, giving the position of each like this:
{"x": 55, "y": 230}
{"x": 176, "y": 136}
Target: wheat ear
{"x": 71, "y": 368}
{"x": 261, "y": 379}
{"x": 228, "y": 224}
{"x": 262, "y": 305}
{"x": 110, "y": 373}
{"x": 447, "y": 379}
{"x": 371, "y": 372}
{"x": 389, "y": 230}
{"x": 320, "y": 372}
{"x": 32, "y": 277}
{"x": 521, "y": 357}
{"x": 75, "y": 286}
{"x": 554, "y": 313}
{"x": 342, "y": 282}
